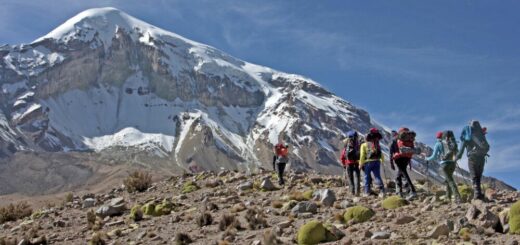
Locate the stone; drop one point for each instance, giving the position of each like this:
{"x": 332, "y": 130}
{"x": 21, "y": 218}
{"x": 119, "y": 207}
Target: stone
{"x": 245, "y": 186}
{"x": 380, "y": 235}
{"x": 440, "y": 230}
{"x": 345, "y": 204}
{"x": 267, "y": 184}
{"x": 115, "y": 207}
{"x": 404, "y": 220}
{"x": 427, "y": 208}
{"x": 304, "y": 207}
{"x": 327, "y": 197}
{"x": 285, "y": 224}
{"x": 88, "y": 203}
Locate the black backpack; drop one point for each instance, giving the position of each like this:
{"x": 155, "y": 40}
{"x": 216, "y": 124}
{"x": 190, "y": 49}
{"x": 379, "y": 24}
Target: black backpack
{"x": 373, "y": 150}
{"x": 449, "y": 146}
{"x": 352, "y": 147}
{"x": 476, "y": 139}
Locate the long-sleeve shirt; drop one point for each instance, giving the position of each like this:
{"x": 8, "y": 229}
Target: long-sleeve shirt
{"x": 393, "y": 149}
{"x": 438, "y": 149}
{"x": 363, "y": 156}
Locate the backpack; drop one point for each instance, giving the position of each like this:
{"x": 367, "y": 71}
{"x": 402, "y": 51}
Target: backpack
{"x": 281, "y": 150}
{"x": 373, "y": 150}
{"x": 352, "y": 146}
{"x": 449, "y": 146}
{"x": 405, "y": 143}
{"x": 476, "y": 139}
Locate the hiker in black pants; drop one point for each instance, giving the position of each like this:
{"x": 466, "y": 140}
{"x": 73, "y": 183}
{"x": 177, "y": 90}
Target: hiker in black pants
{"x": 280, "y": 159}
{"x": 403, "y": 161}
{"x": 474, "y": 140}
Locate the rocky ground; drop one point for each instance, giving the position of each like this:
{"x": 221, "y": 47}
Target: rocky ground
{"x": 235, "y": 208}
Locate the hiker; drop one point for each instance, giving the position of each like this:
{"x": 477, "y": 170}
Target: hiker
{"x": 350, "y": 161}
{"x": 445, "y": 151}
{"x": 370, "y": 161}
{"x": 402, "y": 149}
{"x": 280, "y": 159}
{"x": 473, "y": 139}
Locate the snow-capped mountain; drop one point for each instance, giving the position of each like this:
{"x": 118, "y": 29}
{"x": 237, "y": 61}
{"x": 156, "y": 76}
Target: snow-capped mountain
{"x": 108, "y": 83}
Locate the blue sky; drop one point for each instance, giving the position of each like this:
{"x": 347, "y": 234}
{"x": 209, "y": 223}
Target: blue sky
{"x": 429, "y": 65}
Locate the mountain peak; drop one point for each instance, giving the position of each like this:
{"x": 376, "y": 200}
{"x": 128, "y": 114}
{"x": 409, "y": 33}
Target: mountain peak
{"x": 103, "y": 22}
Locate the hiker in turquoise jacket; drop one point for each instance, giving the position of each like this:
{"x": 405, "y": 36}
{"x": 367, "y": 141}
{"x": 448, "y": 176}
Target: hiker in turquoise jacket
{"x": 446, "y": 158}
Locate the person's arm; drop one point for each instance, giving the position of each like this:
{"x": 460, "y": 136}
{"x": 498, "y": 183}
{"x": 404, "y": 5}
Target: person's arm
{"x": 362, "y": 155}
{"x": 435, "y": 153}
{"x": 461, "y": 150}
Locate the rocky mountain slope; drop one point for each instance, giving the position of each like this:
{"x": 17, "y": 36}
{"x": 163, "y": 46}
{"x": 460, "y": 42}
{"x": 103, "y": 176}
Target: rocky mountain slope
{"x": 112, "y": 86}
{"x": 238, "y": 208}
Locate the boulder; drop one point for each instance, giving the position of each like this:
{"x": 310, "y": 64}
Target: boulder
{"x": 380, "y": 235}
{"x": 482, "y": 217}
{"x": 115, "y": 207}
{"x": 440, "y": 230}
{"x": 267, "y": 185}
{"x": 327, "y": 197}
{"x": 248, "y": 185}
{"x": 304, "y": 207}
{"x": 88, "y": 203}
{"x": 404, "y": 219}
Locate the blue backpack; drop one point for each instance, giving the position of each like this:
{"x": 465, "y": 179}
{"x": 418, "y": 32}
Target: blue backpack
{"x": 474, "y": 136}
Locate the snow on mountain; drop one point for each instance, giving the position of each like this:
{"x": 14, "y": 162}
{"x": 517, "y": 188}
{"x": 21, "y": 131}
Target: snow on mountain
{"x": 107, "y": 82}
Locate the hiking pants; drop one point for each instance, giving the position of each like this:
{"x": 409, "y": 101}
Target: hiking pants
{"x": 476, "y": 168}
{"x": 375, "y": 168}
{"x": 448, "y": 167}
{"x": 281, "y": 170}
{"x": 353, "y": 177}
{"x": 402, "y": 172}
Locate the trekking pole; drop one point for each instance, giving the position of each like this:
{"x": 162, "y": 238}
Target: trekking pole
{"x": 428, "y": 175}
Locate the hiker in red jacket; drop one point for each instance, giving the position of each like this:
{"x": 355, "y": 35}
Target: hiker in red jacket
{"x": 280, "y": 159}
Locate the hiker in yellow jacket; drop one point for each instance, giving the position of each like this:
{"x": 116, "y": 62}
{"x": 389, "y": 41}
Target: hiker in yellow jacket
{"x": 370, "y": 161}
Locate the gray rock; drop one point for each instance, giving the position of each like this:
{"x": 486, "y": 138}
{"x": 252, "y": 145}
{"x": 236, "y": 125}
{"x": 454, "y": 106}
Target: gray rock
{"x": 305, "y": 215}
{"x": 327, "y": 197}
{"x": 267, "y": 185}
{"x": 88, "y": 203}
{"x": 245, "y": 186}
{"x": 481, "y": 216}
{"x": 115, "y": 207}
{"x": 441, "y": 230}
{"x": 512, "y": 242}
{"x": 380, "y": 235}
{"x": 345, "y": 204}
{"x": 304, "y": 207}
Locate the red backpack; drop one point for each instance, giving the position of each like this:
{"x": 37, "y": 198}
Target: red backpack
{"x": 281, "y": 150}
{"x": 405, "y": 143}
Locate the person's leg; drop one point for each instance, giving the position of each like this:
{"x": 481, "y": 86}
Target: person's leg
{"x": 476, "y": 168}
{"x": 449, "y": 170}
{"x": 445, "y": 172}
{"x": 350, "y": 172}
{"x": 399, "y": 178}
{"x": 281, "y": 169}
{"x": 377, "y": 175}
{"x": 480, "y": 170}
{"x": 358, "y": 180}
{"x": 368, "y": 177}
{"x": 407, "y": 176}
